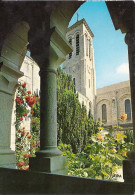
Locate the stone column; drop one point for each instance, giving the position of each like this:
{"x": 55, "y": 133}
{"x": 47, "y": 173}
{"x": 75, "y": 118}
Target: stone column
{"x": 48, "y": 113}
{"x": 48, "y": 57}
{"x": 129, "y": 165}
{"x": 48, "y": 158}
{"x": 8, "y": 83}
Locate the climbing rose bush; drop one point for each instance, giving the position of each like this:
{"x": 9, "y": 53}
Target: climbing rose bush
{"x": 27, "y": 142}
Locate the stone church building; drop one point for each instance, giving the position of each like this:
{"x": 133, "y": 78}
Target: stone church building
{"x": 107, "y": 103}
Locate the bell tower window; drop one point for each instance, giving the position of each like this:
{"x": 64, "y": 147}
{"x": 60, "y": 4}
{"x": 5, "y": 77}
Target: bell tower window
{"x": 77, "y": 45}
{"x": 74, "y": 81}
{"x": 70, "y": 42}
{"x": 86, "y": 44}
{"x": 89, "y": 48}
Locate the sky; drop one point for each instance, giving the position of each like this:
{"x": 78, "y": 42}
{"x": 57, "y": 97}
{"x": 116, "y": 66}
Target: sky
{"x": 110, "y": 49}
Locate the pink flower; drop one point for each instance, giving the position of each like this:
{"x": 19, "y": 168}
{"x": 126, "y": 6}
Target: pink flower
{"x": 20, "y": 164}
{"x": 100, "y": 137}
{"x": 114, "y": 151}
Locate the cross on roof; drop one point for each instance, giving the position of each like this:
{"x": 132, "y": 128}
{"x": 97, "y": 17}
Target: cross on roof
{"x": 77, "y": 16}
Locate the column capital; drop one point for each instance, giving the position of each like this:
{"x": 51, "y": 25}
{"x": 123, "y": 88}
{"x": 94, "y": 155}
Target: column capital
{"x": 45, "y": 70}
{"x": 48, "y": 47}
{"x": 39, "y": 45}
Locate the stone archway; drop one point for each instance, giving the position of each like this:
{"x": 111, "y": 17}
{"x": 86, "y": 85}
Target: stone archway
{"x": 12, "y": 55}
{"x": 48, "y": 22}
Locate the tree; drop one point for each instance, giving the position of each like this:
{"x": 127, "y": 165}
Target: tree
{"x": 74, "y": 125}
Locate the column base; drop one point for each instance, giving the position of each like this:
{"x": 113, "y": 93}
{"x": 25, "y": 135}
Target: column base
{"x": 49, "y": 152}
{"x": 7, "y": 158}
{"x": 129, "y": 171}
{"x": 55, "y": 164}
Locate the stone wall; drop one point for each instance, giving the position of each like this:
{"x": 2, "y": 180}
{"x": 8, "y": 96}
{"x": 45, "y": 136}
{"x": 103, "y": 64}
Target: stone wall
{"x": 32, "y": 182}
{"x": 114, "y": 97}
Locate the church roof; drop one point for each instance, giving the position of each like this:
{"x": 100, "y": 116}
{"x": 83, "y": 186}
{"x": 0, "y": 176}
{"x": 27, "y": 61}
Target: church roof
{"x": 83, "y": 21}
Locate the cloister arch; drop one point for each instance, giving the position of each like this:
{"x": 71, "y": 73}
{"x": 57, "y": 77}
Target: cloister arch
{"x": 46, "y": 24}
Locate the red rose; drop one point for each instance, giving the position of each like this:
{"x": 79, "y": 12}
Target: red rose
{"x": 34, "y": 145}
{"x": 29, "y": 92}
{"x": 27, "y": 98}
{"x": 26, "y": 168}
{"x": 19, "y": 131}
{"x": 25, "y": 155}
{"x": 29, "y": 155}
{"x": 29, "y": 136}
{"x": 24, "y": 85}
{"x": 18, "y": 100}
{"x": 20, "y": 118}
{"x": 32, "y": 101}
{"x": 27, "y": 133}
{"x": 32, "y": 111}
{"x": 23, "y": 132}
{"x": 25, "y": 114}
{"x": 20, "y": 164}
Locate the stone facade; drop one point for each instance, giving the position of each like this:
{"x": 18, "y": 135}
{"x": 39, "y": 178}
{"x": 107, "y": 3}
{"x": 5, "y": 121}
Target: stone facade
{"x": 31, "y": 75}
{"x": 114, "y": 97}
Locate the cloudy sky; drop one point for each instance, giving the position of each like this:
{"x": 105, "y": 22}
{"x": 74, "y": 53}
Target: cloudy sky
{"x": 111, "y": 56}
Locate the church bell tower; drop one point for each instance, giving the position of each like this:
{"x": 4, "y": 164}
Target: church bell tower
{"x": 80, "y": 63}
